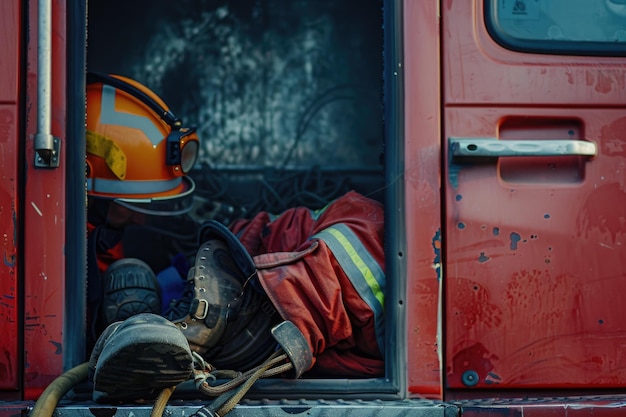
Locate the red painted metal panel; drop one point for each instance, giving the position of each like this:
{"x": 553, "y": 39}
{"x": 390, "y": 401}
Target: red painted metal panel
{"x": 9, "y": 207}
{"x": 422, "y": 194}
{"x": 478, "y": 70}
{"x": 9, "y": 58}
{"x": 44, "y": 220}
{"x": 535, "y": 248}
{"x": 9, "y": 304}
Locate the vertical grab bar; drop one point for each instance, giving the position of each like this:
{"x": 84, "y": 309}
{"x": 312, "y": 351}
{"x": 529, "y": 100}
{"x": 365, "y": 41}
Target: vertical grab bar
{"x": 45, "y": 144}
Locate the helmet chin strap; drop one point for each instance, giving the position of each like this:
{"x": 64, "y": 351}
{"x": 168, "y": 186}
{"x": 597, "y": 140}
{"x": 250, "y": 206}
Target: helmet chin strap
{"x": 153, "y": 212}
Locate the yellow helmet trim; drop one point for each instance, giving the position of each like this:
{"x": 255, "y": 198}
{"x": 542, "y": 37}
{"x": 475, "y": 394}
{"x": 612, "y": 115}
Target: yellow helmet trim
{"x": 107, "y": 149}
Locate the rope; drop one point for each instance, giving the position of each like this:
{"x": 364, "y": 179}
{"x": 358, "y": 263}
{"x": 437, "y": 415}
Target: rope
{"x": 270, "y": 367}
{"x": 230, "y": 403}
{"x": 229, "y": 398}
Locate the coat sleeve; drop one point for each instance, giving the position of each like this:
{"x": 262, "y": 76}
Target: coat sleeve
{"x": 324, "y": 271}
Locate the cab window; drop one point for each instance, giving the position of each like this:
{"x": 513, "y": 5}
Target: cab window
{"x": 577, "y": 27}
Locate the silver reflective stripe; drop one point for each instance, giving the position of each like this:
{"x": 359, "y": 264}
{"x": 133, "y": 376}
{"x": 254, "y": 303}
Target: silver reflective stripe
{"x": 108, "y": 116}
{"x": 118, "y": 187}
{"x": 362, "y": 269}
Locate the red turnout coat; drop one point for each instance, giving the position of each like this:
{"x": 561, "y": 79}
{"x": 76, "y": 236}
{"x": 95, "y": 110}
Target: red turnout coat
{"x": 324, "y": 271}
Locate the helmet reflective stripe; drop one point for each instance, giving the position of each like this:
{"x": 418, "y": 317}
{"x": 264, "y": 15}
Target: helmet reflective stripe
{"x": 109, "y": 116}
{"x": 361, "y": 268}
{"x": 100, "y": 185}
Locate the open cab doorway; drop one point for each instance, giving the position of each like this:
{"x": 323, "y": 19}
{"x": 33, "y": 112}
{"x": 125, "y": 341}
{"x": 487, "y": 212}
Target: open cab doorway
{"x": 288, "y": 103}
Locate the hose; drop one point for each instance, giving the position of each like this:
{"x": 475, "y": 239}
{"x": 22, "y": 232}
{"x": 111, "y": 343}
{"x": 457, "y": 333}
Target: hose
{"x": 48, "y": 400}
{"x": 161, "y": 402}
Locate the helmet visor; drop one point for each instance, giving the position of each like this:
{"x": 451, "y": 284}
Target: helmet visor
{"x": 188, "y": 154}
{"x": 182, "y": 149}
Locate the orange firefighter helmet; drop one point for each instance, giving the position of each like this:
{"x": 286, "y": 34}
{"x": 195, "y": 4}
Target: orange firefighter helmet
{"x": 137, "y": 150}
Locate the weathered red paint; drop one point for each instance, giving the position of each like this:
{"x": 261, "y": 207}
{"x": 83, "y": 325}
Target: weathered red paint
{"x": 44, "y": 221}
{"x": 422, "y": 212}
{"x": 9, "y": 207}
{"x": 529, "y": 255}
{"x": 534, "y": 247}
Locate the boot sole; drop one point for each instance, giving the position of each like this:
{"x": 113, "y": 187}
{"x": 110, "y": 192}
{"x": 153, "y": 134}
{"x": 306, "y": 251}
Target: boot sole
{"x": 131, "y": 288}
{"x": 140, "y": 366}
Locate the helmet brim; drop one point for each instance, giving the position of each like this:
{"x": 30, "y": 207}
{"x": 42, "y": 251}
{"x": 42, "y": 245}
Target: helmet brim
{"x": 170, "y": 205}
{"x": 187, "y": 189}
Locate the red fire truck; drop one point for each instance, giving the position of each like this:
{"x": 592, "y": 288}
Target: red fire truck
{"x": 504, "y": 187}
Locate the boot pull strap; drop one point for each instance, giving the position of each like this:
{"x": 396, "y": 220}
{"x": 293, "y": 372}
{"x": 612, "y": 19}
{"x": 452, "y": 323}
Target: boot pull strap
{"x": 295, "y": 345}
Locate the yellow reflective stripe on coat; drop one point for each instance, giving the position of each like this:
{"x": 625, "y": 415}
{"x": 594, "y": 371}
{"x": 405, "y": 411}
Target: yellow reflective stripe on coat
{"x": 105, "y": 148}
{"x": 361, "y": 268}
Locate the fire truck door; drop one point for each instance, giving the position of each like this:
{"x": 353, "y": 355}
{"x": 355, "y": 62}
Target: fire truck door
{"x": 44, "y": 159}
{"x": 534, "y": 134}
{"x": 9, "y": 293}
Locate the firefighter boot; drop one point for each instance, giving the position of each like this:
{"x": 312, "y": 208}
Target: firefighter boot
{"x": 130, "y": 287}
{"x": 138, "y": 358}
{"x": 225, "y": 318}
{"x": 217, "y": 294}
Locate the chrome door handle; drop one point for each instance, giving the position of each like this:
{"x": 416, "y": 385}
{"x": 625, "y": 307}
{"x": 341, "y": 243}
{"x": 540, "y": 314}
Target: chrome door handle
{"x": 462, "y": 148}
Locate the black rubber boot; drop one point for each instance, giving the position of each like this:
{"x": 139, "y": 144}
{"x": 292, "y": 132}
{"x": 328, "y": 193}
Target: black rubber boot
{"x": 130, "y": 287}
{"x": 136, "y": 359}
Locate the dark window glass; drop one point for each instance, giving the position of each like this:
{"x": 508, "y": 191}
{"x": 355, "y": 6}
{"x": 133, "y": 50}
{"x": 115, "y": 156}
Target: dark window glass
{"x": 581, "y": 27}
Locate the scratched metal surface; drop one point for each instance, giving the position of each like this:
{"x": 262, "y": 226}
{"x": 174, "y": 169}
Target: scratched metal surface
{"x": 534, "y": 247}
